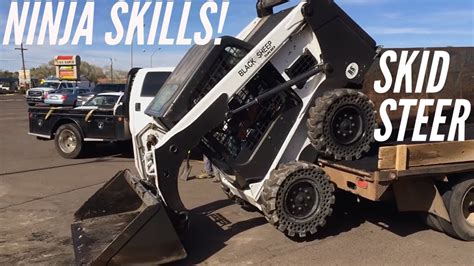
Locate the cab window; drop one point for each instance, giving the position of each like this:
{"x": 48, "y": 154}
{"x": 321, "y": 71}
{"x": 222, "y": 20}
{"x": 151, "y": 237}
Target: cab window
{"x": 103, "y": 101}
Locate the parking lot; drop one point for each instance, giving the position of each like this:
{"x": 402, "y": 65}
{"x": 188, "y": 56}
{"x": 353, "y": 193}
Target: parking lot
{"x": 40, "y": 191}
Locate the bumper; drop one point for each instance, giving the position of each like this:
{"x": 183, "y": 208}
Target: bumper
{"x": 30, "y": 99}
{"x": 55, "y": 102}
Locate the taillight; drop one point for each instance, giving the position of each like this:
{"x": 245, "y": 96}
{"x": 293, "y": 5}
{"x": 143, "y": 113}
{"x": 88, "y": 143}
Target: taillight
{"x": 63, "y": 97}
{"x": 45, "y": 95}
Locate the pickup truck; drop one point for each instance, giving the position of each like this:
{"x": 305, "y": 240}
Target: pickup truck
{"x": 38, "y": 95}
{"x": 72, "y": 129}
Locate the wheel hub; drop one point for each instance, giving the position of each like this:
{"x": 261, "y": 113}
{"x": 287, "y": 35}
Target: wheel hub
{"x": 67, "y": 141}
{"x": 301, "y": 199}
{"x": 347, "y": 125}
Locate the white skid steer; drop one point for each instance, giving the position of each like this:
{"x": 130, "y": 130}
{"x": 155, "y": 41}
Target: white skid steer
{"x": 260, "y": 106}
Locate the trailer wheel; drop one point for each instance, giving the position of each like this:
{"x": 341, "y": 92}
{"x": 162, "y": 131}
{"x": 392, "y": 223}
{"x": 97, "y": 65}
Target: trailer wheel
{"x": 68, "y": 141}
{"x": 460, "y": 204}
{"x": 297, "y": 199}
{"x": 341, "y": 124}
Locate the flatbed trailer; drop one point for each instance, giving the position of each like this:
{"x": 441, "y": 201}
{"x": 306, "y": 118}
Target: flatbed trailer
{"x": 102, "y": 124}
{"x": 72, "y": 128}
{"x": 436, "y": 179}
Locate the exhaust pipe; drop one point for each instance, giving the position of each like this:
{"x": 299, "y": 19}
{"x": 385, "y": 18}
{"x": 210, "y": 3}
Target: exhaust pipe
{"x": 124, "y": 222}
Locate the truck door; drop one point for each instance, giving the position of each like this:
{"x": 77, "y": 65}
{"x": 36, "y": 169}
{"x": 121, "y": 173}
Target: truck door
{"x": 146, "y": 85}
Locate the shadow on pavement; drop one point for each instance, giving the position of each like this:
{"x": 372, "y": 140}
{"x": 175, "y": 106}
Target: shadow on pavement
{"x": 206, "y": 235}
{"x": 120, "y": 150}
{"x": 99, "y": 160}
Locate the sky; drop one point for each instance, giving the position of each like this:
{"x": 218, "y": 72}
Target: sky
{"x": 392, "y": 23}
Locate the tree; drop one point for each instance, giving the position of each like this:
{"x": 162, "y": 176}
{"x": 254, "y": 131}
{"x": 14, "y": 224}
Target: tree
{"x": 91, "y": 72}
{"x": 44, "y": 71}
{"x": 8, "y": 74}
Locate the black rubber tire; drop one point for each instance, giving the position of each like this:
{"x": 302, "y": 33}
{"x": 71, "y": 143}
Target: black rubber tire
{"x": 458, "y": 227}
{"x": 432, "y": 221}
{"x": 321, "y": 120}
{"x": 80, "y": 147}
{"x": 274, "y": 196}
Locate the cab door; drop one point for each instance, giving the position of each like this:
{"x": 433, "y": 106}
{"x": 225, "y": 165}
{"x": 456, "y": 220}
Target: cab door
{"x": 146, "y": 85}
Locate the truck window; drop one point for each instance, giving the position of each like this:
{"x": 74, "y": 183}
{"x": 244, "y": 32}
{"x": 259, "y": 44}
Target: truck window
{"x": 103, "y": 101}
{"x": 153, "y": 82}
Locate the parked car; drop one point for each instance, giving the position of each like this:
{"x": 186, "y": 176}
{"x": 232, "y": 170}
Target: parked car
{"x": 64, "y": 97}
{"x": 39, "y": 94}
{"x": 100, "y": 88}
{"x": 8, "y": 84}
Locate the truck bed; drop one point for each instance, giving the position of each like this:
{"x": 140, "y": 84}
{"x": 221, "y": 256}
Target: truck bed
{"x": 95, "y": 125}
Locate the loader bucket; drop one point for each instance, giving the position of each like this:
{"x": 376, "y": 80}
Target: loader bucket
{"x": 124, "y": 223}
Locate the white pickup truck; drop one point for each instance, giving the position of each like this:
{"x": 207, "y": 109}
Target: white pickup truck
{"x": 102, "y": 124}
{"x": 38, "y": 94}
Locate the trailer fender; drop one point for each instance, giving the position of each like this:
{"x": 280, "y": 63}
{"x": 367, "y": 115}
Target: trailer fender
{"x": 421, "y": 196}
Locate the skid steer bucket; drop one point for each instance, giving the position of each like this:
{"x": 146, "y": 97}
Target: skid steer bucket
{"x": 124, "y": 223}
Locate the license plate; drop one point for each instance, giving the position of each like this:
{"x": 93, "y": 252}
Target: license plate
{"x": 54, "y": 97}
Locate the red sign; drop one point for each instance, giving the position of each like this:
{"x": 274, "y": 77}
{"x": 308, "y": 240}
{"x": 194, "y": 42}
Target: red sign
{"x": 67, "y": 67}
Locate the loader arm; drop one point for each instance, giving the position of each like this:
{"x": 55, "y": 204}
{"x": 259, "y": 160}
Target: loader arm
{"x": 172, "y": 153}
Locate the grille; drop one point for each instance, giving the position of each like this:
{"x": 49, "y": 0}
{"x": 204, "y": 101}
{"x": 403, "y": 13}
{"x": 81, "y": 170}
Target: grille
{"x": 304, "y": 63}
{"x": 225, "y": 62}
{"x": 35, "y": 93}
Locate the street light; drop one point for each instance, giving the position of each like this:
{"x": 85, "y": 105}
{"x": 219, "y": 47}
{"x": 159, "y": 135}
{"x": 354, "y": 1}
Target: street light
{"x": 153, "y": 54}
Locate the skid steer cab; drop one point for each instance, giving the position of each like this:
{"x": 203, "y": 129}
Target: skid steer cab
{"x": 245, "y": 103}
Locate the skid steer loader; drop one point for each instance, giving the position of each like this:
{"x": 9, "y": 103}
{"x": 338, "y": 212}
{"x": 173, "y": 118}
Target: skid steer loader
{"x": 260, "y": 106}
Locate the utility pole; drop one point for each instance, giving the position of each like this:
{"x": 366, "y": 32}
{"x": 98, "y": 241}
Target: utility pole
{"x": 23, "y": 61}
{"x": 111, "y": 70}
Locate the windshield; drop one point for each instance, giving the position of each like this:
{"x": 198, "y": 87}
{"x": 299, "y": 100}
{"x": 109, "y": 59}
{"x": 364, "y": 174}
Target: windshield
{"x": 109, "y": 88}
{"x": 65, "y": 91}
{"x": 103, "y": 101}
{"x": 164, "y": 95}
{"x": 53, "y": 85}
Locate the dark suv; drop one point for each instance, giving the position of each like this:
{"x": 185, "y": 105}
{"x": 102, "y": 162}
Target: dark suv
{"x": 99, "y": 88}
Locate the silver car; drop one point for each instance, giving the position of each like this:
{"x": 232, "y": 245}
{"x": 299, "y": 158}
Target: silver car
{"x": 65, "y": 97}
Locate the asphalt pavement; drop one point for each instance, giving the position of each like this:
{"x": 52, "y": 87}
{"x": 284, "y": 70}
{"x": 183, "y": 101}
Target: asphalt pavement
{"x": 40, "y": 191}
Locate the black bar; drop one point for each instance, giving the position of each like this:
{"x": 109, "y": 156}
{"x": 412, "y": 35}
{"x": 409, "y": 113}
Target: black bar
{"x": 298, "y": 79}
{"x": 265, "y": 7}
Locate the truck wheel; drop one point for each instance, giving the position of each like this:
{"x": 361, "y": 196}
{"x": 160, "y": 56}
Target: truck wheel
{"x": 341, "y": 124}
{"x": 460, "y": 204}
{"x": 68, "y": 141}
{"x": 297, "y": 199}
